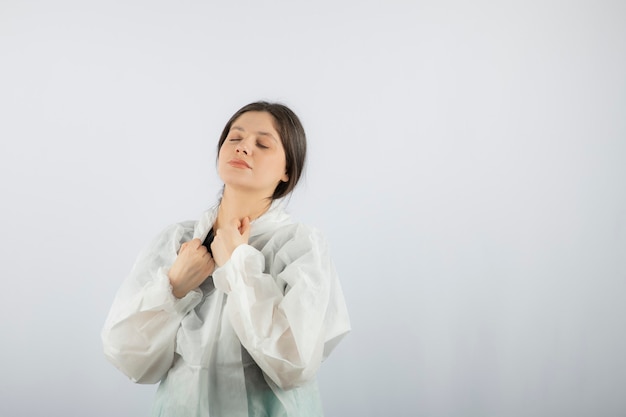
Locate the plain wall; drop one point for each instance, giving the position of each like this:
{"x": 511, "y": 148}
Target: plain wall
{"x": 467, "y": 164}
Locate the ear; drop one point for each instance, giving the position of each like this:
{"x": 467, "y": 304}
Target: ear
{"x": 285, "y": 178}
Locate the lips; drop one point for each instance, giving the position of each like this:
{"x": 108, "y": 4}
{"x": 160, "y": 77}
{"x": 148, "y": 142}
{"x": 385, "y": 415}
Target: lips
{"x": 238, "y": 163}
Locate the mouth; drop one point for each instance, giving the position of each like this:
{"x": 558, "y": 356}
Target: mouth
{"x": 238, "y": 163}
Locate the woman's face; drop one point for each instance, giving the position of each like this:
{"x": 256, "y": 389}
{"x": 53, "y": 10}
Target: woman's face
{"x": 252, "y": 157}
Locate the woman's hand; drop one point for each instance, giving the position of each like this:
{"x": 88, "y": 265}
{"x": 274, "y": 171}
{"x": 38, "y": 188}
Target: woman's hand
{"x": 192, "y": 266}
{"x": 228, "y": 237}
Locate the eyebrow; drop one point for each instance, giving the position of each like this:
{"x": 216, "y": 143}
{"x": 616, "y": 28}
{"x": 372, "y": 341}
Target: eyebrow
{"x": 260, "y": 133}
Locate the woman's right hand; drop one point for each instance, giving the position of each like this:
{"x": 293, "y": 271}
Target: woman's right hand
{"x": 192, "y": 266}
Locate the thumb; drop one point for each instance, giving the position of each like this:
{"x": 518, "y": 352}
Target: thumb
{"x": 244, "y": 228}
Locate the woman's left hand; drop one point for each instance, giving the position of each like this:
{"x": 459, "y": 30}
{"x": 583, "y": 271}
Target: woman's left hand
{"x": 228, "y": 237}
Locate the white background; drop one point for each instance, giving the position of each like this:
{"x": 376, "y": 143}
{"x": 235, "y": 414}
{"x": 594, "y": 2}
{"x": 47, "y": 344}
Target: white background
{"x": 467, "y": 164}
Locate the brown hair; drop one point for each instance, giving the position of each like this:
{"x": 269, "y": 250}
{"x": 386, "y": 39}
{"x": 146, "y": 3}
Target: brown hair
{"x": 292, "y": 137}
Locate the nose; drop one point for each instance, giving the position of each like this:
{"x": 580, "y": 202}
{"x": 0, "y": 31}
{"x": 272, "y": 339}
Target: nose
{"x": 242, "y": 148}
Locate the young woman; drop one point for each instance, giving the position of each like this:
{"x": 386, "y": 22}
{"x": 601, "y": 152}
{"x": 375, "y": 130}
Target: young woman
{"x": 235, "y": 312}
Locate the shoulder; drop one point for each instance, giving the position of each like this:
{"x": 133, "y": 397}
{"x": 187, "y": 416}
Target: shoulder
{"x": 301, "y": 231}
{"x": 178, "y": 229}
{"x": 294, "y": 239}
{"x": 282, "y": 224}
{"x": 171, "y": 235}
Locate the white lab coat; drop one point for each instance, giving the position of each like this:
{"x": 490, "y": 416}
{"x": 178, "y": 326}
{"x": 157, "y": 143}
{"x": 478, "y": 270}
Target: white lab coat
{"x": 249, "y": 341}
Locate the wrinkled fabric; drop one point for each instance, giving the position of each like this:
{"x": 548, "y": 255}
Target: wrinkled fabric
{"x": 249, "y": 340}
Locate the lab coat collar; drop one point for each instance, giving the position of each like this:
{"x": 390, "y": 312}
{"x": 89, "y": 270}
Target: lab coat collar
{"x": 273, "y": 218}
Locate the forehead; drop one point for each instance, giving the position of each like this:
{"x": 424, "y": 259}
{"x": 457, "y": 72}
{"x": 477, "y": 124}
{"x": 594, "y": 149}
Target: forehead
{"x": 259, "y": 122}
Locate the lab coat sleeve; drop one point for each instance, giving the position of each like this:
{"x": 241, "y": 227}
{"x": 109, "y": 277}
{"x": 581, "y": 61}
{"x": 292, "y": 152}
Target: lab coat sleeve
{"x": 291, "y": 318}
{"x": 139, "y": 335}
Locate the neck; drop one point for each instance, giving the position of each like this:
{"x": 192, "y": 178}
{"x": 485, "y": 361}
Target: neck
{"x": 237, "y": 205}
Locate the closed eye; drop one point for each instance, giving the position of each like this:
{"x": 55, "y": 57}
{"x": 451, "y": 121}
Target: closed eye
{"x": 260, "y": 145}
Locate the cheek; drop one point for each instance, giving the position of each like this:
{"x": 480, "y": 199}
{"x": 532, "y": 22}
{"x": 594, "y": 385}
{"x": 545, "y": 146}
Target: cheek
{"x": 280, "y": 165}
{"x": 221, "y": 156}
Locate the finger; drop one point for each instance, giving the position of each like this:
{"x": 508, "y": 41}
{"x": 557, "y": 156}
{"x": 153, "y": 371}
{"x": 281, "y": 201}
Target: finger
{"x": 202, "y": 250}
{"x": 195, "y": 243}
{"x": 235, "y": 224}
{"x": 245, "y": 228}
{"x": 210, "y": 267}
